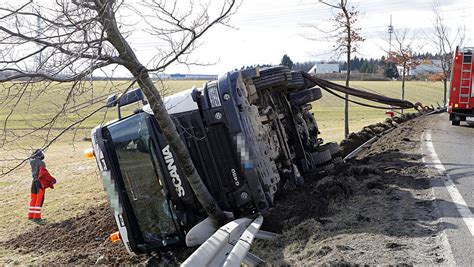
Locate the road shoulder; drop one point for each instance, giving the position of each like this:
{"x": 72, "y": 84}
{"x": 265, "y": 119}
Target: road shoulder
{"x": 380, "y": 210}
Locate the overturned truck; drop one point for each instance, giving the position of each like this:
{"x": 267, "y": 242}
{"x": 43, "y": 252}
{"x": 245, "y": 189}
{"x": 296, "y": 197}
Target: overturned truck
{"x": 248, "y": 133}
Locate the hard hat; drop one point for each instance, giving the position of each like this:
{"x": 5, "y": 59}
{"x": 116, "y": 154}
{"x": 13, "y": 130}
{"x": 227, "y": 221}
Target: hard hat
{"x": 37, "y": 154}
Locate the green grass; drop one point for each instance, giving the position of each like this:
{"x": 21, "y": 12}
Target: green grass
{"x": 329, "y": 111}
{"x": 41, "y": 102}
{"x": 38, "y": 107}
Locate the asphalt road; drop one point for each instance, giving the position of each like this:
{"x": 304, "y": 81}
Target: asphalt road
{"x": 450, "y": 149}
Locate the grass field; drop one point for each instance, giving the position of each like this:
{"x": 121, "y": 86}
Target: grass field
{"x": 38, "y": 107}
{"x": 329, "y": 111}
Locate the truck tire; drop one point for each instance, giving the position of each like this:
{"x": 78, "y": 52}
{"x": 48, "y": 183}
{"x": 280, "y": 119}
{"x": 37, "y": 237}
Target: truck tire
{"x": 321, "y": 157}
{"x": 456, "y": 123}
{"x": 328, "y": 167}
{"x": 297, "y": 81}
{"x": 332, "y": 147}
{"x": 337, "y": 160}
{"x": 325, "y": 168}
{"x": 308, "y": 83}
{"x": 272, "y": 77}
{"x": 305, "y": 96}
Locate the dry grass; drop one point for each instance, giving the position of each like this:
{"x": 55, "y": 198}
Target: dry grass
{"x": 79, "y": 187}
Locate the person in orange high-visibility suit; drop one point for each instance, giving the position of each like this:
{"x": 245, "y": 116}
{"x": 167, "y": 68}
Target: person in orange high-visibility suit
{"x": 37, "y": 190}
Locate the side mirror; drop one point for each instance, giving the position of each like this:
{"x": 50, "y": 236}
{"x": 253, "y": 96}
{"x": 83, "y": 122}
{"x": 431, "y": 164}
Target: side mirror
{"x": 111, "y": 101}
{"x": 130, "y": 97}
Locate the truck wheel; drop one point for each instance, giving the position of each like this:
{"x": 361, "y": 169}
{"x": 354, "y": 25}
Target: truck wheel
{"x": 272, "y": 77}
{"x": 337, "y": 160}
{"x": 306, "y": 96}
{"x": 297, "y": 81}
{"x": 328, "y": 167}
{"x": 456, "y": 123}
{"x": 325, "y": 168}
{"x": 332, "y": 147}
{"x": 321, "y": 157}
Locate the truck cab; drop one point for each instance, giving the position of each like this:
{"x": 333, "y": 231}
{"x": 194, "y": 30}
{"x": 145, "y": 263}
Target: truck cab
{"x": 248, "y": 133}
{"x": 461, "y": 95}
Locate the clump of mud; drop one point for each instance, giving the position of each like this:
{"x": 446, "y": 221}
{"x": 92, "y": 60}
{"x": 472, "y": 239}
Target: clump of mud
{"x": 354, "y": 140}
{"x": 295, "y": 205}
{"x": 312, "y": 200}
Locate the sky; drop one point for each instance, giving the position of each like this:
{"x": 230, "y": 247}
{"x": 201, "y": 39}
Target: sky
{"x": 264, "y": 30}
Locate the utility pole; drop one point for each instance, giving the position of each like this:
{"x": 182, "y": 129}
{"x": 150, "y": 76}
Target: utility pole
{"x": 38, "y": 58}
{"x": 390, "y": 32}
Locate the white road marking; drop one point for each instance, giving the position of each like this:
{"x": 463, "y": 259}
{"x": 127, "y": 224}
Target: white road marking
{"x": 457, "y": 198}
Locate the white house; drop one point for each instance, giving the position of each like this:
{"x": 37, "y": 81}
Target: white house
{"x": 400, "y": 71}
{"x": 325, "y": 68}
{"x": 427, "y": 66}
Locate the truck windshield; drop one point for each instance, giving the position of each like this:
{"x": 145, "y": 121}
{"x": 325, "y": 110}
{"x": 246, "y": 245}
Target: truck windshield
{"x": 137, "y": 161}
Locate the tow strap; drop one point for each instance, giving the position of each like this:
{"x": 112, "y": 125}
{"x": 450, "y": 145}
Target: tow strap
{"x": 393, "y": 103}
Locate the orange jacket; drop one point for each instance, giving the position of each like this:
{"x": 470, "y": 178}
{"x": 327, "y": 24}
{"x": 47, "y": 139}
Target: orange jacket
{"x": 46, "y": 180}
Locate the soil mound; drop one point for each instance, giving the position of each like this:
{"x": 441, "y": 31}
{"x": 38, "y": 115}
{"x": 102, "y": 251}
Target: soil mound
{"x": 79, "y": 240}
{"x": 354, "y": 140}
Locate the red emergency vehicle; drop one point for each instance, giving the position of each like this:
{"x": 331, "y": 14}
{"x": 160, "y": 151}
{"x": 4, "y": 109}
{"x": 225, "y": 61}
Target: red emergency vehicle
{"x": 461, "y": 95}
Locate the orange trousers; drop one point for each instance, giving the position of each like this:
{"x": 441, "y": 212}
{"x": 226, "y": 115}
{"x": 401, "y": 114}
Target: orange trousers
{"x": 36, "y": 202}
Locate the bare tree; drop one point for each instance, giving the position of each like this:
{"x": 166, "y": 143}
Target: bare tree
{"x": 69, "y": 40}
{"x": 348, "y": 39}
{"x": 445, "y": 41}
{"x": 402, "y": 55}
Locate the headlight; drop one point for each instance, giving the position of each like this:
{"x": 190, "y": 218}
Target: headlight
{"x": 213, "y": 94}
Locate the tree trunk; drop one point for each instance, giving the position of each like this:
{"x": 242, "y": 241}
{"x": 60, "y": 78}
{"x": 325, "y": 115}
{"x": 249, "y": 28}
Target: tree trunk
{"x": 348, "y": 74}
{"x": 445, "y": 83}
{"x": 139, "y": 72}
{"x": 346, "y": 101}
{"x": 403, "y": 82}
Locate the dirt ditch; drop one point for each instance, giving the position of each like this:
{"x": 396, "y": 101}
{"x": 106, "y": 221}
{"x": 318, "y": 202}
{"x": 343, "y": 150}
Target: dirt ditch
{"x": 377, "y": 209}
